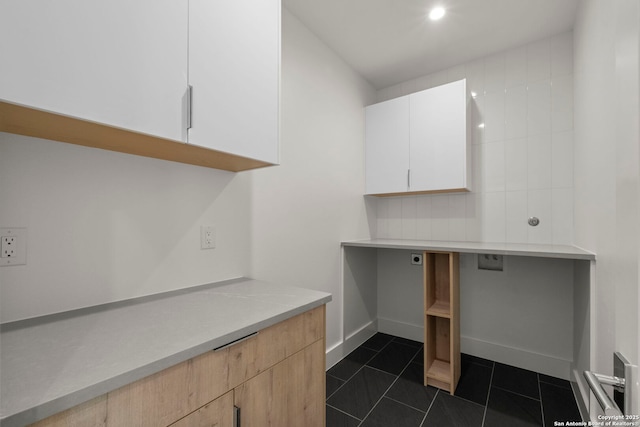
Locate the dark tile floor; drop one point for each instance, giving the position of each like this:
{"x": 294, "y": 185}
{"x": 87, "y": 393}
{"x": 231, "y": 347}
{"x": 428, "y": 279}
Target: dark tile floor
{"x": 380, "y": 384}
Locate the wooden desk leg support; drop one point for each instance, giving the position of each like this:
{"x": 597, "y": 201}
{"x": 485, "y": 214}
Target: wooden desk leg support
{"x": 442, "y": 320}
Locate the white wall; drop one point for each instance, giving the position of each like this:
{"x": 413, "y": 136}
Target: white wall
{"x": 105, "y": 226}
{"x": 302, "y": 209}
{"x": 607, "y": 171}
{"x": 522, "y": 159}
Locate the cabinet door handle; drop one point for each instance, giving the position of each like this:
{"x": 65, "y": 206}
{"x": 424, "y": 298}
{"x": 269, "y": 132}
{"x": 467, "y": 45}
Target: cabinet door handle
{"x": 234, "y": 342}
{"x": 189, "y": 105}
{"x": 236, "y": 416}
{"x": 408, "y": 178}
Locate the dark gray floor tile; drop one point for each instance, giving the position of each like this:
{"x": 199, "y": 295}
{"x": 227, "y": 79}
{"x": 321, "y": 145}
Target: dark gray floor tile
{"x": 393, "y": 358}
{"x": 513, "y": 410}
{"x": 474, "y": 383}
{"x": 410, "y": 389}
{"x": 333, "y": 384}
{"x": 475, "y": 359}
{"x": 406, "y": 341}
{"x": 555, "y": 381}
{"x": 391, "y": 413}
{"x": 516, "y": 380}
{"x": 558, "y": 404}
{"x": 348, "y": 366}
{"x": 378, "y": 341}
{"x": 336, "y": 418}
{"x": 419, "y": 358}
{"x": 451, "y": 411}
{"x": 361, "y": 392}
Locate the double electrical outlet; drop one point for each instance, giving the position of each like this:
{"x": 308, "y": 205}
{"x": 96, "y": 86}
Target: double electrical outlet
{"x": 207, "y": 237}
{"x": 13, "y": 246}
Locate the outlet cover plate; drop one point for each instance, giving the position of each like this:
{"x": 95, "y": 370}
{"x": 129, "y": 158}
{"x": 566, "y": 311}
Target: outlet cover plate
{"x": 207, "y": 237}
{"x": 13, "y": 246}
{"x": 490, "y": 262}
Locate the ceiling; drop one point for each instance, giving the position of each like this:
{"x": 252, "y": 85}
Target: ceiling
{"x": 391, "y": 41}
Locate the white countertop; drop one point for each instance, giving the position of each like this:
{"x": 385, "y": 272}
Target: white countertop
{"x": 53, "y": 363}
{"x": 518, "y": 249}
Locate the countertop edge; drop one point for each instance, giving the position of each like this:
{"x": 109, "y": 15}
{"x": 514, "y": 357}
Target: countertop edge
{"x": 544, "y": 251}
{"x": 93, "y": 391}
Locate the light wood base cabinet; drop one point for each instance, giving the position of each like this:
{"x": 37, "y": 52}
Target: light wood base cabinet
{"x": 218, "y": 413}
{"x": 275, "y": 378}
{"x": 288, "y": 395}
{"x": 442, "y": 320}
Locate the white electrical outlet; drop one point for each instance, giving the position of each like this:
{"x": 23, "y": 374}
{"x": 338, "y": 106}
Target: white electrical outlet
{"x": 207, "y": 237}
{"x": 13, "y": 246}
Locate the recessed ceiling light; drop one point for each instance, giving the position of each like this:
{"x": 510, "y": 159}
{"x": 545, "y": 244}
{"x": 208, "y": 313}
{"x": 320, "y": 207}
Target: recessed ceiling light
{"x": 436, "y": 13}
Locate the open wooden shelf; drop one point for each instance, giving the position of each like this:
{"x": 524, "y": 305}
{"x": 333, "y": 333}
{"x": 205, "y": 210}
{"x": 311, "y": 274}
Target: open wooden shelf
{"x": 442, "y": 320}
{"x": 440, "y": 309}
{"x": 439, "y": 370}
{"x": 28, "y": 121}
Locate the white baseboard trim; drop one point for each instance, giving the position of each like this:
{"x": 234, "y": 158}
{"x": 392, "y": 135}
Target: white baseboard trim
{"x": 350, "y": 343}
{"x": 545, "y": 364}
{"x": 542, "y": 363}
{"x": 400, "y": 329}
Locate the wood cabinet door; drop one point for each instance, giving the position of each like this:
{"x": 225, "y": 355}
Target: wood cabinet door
{"x": 290, "y": 394}
{"x": 387, "y": 147}
{"x": 438, "y": 148}
{"x": 122, "y": 63}
{"x": 234, "y": 69}
{"x": 218, "y": 413}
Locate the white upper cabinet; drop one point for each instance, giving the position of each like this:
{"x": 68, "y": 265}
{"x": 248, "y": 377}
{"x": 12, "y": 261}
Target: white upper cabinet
{"x": 438, "y": 129}
{"x": 387, "y": 146}
{"x": 119, "y": 62}
{"x": 234, "y": 69}
{"x": 418, "y": 143}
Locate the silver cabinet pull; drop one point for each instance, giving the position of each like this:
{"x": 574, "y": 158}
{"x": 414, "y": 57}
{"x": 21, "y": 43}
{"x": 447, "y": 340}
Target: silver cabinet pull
{"x": 408, "y": 179}
{"x": 189, "y": 105}
{"x": 234, "y": 342}
{"x": 236, "y": 416}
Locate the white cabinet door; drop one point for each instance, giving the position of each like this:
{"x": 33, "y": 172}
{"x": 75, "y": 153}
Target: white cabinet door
{"x": 117, "y": 62}
{"x": 439, "y": 138}
{"x": 234, "y": 57}
{"x": 387, "y": 146}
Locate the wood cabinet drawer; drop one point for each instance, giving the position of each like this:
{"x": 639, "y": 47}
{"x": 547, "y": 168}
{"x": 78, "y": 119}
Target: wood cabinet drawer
{"x": 218, "y": 413}
{"x": 92, "y": 413}
{"x": 169, "y": 395}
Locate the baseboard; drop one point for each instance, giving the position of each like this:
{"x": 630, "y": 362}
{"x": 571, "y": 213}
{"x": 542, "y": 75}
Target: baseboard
{"x": 545, "y": 364}
{"x": 542, "y": 363}
{"x": 350, "y": 343}
{"x": 400, "y": 329}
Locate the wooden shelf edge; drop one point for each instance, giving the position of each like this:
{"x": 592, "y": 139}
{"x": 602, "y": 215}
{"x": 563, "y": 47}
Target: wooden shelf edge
{"x": 29, "y": 121}
{"x": 440, "y": 370}
{"x": 439, "y": 309}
